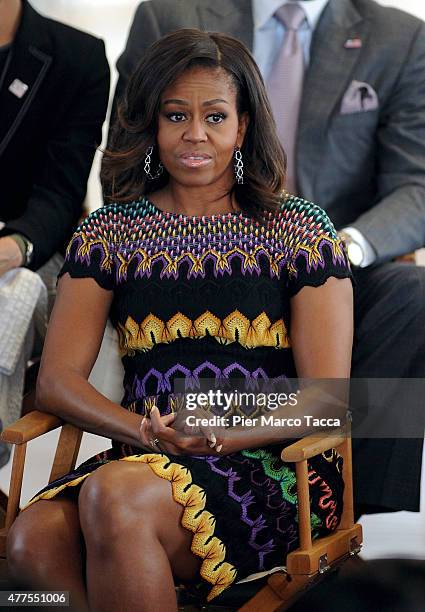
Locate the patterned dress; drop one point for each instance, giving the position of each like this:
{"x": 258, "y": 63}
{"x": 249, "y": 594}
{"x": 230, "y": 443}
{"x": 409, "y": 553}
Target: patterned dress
{"x": 210, "y": 297}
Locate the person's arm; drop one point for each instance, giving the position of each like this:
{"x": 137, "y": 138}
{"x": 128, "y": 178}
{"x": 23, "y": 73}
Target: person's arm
{"x": 321, "y": 340}
{"x": 55, "y": 202}
{"x": 396, "y": 224}
{"x": 72, "y": 344}
{"x": 322, "y": 329}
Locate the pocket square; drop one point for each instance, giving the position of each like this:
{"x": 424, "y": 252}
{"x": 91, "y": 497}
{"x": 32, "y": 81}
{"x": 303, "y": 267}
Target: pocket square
{"x": 358, "y": 98}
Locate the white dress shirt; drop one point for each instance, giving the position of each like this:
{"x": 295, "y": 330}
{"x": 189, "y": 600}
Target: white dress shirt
{"x": 269, "y": 33}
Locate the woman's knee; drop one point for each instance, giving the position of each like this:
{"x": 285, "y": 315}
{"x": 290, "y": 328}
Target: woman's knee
{"x": 117, "y": 498}
{"x": 38, "y": 538}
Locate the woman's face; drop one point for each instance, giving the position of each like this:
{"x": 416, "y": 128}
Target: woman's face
{"x": 199, "y": 128}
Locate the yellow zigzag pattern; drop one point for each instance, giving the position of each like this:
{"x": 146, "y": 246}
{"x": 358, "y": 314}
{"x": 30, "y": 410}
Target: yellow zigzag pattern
{"x": 234, "y": 328}
{"x": 200, "y": 522}
{"x": 222, "y": 260}
{"x": 85, "y": 248}
{"x": 314, "y": 255}
{"x": 50, "y": 493}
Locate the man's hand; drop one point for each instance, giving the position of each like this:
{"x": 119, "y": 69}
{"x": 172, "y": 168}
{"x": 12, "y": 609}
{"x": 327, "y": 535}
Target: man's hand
{"x": 10, "y": 255}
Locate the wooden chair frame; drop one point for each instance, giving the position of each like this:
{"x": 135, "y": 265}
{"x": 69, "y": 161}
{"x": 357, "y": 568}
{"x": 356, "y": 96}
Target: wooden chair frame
{"x": 304, "y": 565}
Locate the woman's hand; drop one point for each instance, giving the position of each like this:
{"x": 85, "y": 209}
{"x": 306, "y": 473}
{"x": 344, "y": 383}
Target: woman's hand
{"x": 147, "y": 436}
{"x": 157, "y": 433}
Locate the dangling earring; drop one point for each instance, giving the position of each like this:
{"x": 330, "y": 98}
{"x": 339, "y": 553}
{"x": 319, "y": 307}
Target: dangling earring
{"x": 148, "y": 165}
{"x": 238, "y": 166}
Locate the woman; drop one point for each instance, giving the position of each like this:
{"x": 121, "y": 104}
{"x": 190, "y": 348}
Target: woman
{"x": 206, "y": 271}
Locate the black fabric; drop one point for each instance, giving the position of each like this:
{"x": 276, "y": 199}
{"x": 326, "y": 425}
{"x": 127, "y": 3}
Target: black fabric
{"x": 4, "y": 54}
{"x": 48, "y": 137}
{"x": 389, "y": 343}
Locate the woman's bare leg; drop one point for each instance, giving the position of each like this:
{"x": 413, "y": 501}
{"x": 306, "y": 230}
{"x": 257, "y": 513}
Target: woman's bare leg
{"x": 45, "y": 548}
{"x": 134, "y": 540}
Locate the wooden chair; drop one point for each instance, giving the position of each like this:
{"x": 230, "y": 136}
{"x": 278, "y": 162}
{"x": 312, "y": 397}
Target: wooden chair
{"x": 304, "y": 566}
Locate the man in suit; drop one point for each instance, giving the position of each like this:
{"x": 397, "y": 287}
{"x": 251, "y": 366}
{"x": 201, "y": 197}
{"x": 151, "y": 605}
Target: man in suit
{"x": 54, "y": 87}
{"x": 360, "y": 154}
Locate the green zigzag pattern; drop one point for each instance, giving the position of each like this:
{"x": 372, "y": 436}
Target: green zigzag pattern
{"x": 286, "y": 479}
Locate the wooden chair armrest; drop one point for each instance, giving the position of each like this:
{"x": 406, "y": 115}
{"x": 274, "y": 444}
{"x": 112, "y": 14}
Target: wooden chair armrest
{"x": 299, "y": 453}
{"x": 30, "y": 426}
{"x": 33, "y": 425}
{"x": 313, "y": 445}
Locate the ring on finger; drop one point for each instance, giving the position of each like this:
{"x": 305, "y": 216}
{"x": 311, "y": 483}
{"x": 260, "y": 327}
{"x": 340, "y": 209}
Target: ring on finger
{"x": 154, "y": 442}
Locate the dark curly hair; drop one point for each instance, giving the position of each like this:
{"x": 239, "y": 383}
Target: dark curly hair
{"x": 135, "y": 129}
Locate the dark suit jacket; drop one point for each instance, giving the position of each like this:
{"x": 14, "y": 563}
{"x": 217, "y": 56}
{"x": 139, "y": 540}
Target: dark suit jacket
{"x": 49, "y": 136}
{"x": 367, "y": 169}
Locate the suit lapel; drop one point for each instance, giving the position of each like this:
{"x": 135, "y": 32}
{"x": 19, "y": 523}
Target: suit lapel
{"x": 29, "y": 64}
{"x": 233, "y": 17}
{"x": 327, "y": 78}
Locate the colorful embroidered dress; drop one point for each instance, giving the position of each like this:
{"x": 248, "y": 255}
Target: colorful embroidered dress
{"x": 210, "y": 297}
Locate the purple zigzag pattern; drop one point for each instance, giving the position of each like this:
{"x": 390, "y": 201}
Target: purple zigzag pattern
{"x": 137, "y": 389}
{"x": 193, "y": 271}
{"x": 260, "y": 479}
{"x": 246, "y": 500}
{"x": 252, "y": 379}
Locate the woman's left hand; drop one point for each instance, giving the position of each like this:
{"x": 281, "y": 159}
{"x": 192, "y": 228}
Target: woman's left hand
{"x": 158, "y": 433}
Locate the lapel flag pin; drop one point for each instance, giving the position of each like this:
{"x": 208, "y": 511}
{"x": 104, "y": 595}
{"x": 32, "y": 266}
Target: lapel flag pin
{"x": 18, "y": 88}
{"x": 353, "y": 43}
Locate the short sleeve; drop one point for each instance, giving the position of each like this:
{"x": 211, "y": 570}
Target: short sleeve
{"x": 91, "y": 250}
{"x": 315, "y": 251}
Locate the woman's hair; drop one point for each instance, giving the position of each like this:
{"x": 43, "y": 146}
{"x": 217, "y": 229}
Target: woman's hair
{"x": 135, "y": 129}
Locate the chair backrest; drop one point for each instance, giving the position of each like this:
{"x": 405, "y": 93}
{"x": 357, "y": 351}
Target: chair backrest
{"x": 108, "y": 372}
{"x": 107, "y": 377}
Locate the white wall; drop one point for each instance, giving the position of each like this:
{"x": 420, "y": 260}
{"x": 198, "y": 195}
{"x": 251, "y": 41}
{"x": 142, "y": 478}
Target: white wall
{"x": 416, "y": 7}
